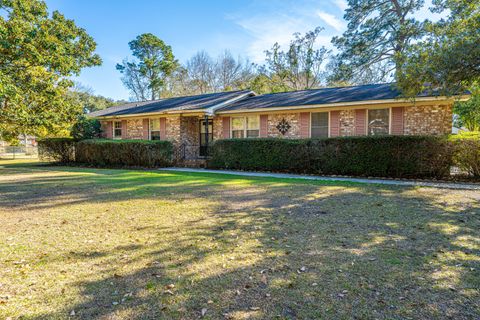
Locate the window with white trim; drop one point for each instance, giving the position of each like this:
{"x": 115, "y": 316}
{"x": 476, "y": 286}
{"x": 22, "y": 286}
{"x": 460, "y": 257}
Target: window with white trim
{"x": 378, "y": 121}
{"x": 319, "y": 125}
{"x": 248, "y": 127}
{"x": 117, "y": 129}
{"x": 155, "y": 129}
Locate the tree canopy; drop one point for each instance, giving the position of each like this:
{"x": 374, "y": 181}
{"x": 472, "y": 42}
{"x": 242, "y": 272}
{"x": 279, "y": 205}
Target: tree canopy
{"x": 154, "y": 62}
{"x": 468, "y": 112}
{"x": 89, "y": 101}
{"x": 448, "y": 57}
{"x": 38, "y": 53}
{"x": 300, "y": 67}
{"x": 379, "y": 32}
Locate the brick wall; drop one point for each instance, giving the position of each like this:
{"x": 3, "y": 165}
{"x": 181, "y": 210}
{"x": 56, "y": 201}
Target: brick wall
{"x": 172, "y": 129}
{"x": 217, "y": 128}
{"x": 347, "y": 123}
{"x": 417, "y": 120}
{"x": 190, "y": 130}
{"x": 293, "y": 120}
{"x": 435, "y": 120}
{"x": 134, "y": 129}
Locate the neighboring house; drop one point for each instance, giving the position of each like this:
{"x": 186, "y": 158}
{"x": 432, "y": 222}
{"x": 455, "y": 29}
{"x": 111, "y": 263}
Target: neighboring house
{"x": 24, "y": 140}
{"x": 194, "y": 121}
{"x": 26, "y": 148}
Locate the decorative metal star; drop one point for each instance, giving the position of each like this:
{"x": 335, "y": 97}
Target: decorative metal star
{"x": 283, "y": 126}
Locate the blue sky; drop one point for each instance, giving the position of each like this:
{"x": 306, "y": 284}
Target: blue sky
{"x": 245, "y": 27}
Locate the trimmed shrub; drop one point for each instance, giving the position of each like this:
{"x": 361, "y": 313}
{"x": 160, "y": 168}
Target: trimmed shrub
{"x": 467, "y": 152}
{"x": 124, "y": 152}
{"x": 57, "y": 149}
{"x": 379, "y": 156}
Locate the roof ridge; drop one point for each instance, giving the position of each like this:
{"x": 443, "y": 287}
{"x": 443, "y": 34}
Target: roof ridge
{"x": 323, "y": 88}
{"x": 191, "y": 95}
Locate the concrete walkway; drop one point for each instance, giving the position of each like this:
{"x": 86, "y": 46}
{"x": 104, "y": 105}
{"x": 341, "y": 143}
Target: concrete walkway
{"x": 444, "y": 185}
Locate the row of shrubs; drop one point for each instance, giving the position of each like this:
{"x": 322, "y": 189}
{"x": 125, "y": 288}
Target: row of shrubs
{"x": 376, "y": 156}
{"x": 103, "y": 152}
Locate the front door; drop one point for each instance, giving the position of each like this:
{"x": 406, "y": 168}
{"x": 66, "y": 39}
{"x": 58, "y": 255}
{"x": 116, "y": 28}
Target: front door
{"x": 206, "y": 136}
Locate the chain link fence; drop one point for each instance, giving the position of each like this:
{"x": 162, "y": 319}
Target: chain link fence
{"x": 18, "y": 152}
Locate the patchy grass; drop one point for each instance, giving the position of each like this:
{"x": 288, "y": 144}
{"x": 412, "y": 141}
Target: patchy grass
{"x": 119, "y": 244}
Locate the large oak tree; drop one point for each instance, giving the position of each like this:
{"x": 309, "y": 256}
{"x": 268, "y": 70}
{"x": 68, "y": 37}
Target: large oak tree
{"x": 38, "y": 53}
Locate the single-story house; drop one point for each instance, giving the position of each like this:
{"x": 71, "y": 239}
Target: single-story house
{"x": 192, "y": 122}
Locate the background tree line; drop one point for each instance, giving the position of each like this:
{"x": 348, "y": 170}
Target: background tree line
{"x": 160, "y": 75}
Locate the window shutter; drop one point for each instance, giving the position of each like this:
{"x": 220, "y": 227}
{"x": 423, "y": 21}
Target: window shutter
{"x": 146, "y": 131}
{"x": 226, "y": 127}
{"x": 263, "y": 126}
{"x": 163, "y": 129}
{"x": 124, "y": 129}
{"x": 108, "y": 133}
{"x": 397, "y": 120}
{"x": 305, "y": 124}
{"x": 334, "y": 123}
{"x": 360, "y": 122}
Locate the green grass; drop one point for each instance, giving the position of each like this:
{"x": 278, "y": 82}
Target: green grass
{"x": 109, "y": 244}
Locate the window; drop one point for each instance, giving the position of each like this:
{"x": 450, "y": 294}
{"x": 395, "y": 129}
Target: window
{"x": 319, "y": 125}
{"x": 253, "y": 127}
{"x": 117, "y": 129}
{"x": 154, "y": 129}
{"x": 238, "y": 127}
{"x": 378, "y": 122}
{"x": 245, "y": 127}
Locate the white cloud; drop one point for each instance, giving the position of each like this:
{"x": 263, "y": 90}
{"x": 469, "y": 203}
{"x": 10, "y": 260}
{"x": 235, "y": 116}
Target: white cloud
{"x": 266, "y": 30}
{"x": 331, "y": 20}
{"x": 341, "y": 4}
{"x": 265, "y": 26}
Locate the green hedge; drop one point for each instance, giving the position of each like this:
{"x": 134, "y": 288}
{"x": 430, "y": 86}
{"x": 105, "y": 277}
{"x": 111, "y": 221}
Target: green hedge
{"x": 124, "y": 152}
{"x": 379, "y": 156}
{"x": 57, "y": 149}
{"x": 467, "y": 152}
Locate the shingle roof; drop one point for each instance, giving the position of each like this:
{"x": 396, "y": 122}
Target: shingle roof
{"x": 198, "y": 102}
{"x": 247, "y": 100}
{"x": 319, "y": 97}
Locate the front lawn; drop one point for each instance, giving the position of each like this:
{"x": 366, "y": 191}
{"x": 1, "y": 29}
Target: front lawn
{"x": 117, "y": 244}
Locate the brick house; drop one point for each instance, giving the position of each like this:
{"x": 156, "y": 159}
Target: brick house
{"x": 193, "y": 122}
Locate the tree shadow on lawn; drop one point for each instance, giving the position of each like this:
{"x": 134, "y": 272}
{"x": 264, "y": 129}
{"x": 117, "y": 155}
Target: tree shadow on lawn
{"x": 107, "y": 185}
{"x": 285, "y": 251}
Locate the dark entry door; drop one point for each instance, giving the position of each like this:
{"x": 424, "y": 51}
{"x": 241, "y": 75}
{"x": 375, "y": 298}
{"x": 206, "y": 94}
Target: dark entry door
{"x": 206, "y": 136}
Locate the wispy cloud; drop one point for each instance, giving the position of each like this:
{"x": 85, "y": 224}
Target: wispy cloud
{"x": 266, "y": 26}
{"x": 266, "y": 31}
{"x": 331, "y": 20}
{"x": 341, "y": 4}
